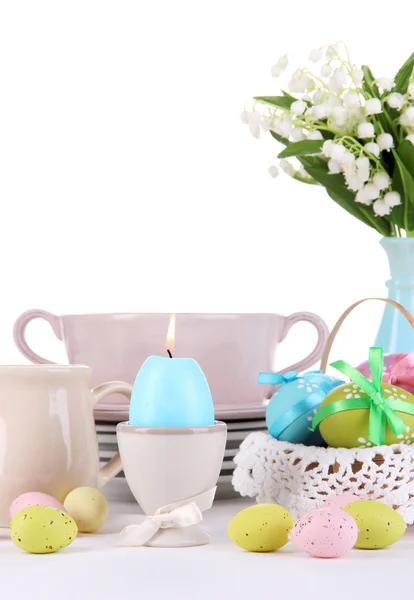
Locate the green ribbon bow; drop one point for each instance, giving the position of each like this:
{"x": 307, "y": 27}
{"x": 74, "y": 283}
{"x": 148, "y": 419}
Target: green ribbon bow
{"x": 381, "y": 409}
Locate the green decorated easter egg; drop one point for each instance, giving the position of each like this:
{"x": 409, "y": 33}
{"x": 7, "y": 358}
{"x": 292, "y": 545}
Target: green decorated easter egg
{"x": 349, "y": 428}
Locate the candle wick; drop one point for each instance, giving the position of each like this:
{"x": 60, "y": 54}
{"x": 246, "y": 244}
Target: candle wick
{"x": 169, "y": 354}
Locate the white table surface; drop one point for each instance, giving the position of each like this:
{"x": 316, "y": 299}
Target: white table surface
{"x": 92, "y": 568}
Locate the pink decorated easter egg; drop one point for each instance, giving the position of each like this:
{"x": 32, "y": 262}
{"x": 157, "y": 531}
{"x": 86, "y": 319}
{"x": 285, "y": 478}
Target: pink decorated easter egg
{"x": 398, "y": 370}
{"x": 340, "y": 501}
{"x": 325, "y": 533}
{"x": 34, "y": 499}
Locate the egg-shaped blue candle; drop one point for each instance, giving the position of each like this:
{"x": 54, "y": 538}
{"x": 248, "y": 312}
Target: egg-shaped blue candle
{"x": 171, "y": 392}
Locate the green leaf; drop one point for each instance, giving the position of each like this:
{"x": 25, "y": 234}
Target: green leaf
{"x": 308, "y": 180}
{"x": 289, "y": 96}
{"x": 402, "y": 78}
{"x": 284, "y": 102}
{"x": 337, "y": 190}
{"x": 279, "y": 138}
{"x": 301, "y": 148}
{"x": 318, "y": 169}
{"x": 327, "y": 135}
{"x": 403, "y": 183}
{"x": 406, "y": 152}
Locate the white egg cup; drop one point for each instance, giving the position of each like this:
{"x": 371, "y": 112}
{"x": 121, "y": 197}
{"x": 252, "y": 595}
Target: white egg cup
{"x": 168, "y": 465}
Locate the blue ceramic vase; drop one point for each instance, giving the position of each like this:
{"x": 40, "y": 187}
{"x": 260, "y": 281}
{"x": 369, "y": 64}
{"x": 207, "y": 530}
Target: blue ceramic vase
{"x": 394, "y": 333}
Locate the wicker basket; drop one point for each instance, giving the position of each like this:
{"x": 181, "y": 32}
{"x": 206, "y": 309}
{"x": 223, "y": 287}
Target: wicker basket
{"x": 301, "y": 478}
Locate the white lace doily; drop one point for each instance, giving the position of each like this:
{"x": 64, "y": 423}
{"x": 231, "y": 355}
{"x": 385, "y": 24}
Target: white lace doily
{"x": 301, "y": 478}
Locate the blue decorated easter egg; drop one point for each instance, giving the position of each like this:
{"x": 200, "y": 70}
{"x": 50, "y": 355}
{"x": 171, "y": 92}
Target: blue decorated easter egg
{"x": 326, "y": 382}
{"x": 291, "y": 409}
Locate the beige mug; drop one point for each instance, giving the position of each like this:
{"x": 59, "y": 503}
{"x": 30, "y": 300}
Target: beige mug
{"x": 47, "y": 433}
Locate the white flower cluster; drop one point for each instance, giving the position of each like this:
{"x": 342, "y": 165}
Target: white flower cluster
{"x": 335, "y": 105}
{"x": 372, "y": 185}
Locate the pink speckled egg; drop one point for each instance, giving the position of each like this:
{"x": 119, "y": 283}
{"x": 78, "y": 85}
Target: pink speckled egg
{"x": 34, "y": 499}
{"x": 325, "y": 533}
{"x": 340, "y": 500}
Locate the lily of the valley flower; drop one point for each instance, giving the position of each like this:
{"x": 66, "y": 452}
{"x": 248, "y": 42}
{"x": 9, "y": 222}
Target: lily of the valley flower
{"x": 367, "y": 194}
{"x": 363, "y": 170}
{"x": 326, "y": 70}
{"x": 373, "y": 106}
{"x": 385, "y": 141}
{"x": 353, "y": 182}
{"x": 338, "y": 151}
{"x": 381, "y": 209}
{"x": 327, "y": 148}
{"x": 381, "y": 180}
{"x": 348, "y": 162}
{"x": 297, "y": 134}
{"x": 334, "y": 166}
{"x": 366, "y": 130}
{"x": 340, "y": 77}
{"x": 245, "y": 117}
{"x": 385, "y": 83}
{"x": 372, "y": 148}
{"x": 357, "y": 76}
{"x": 254, "y": 123}
{"x": 273, "y": 171}
{"x": 396, "y": 100}
{"x": 392, "y": 199}
{"x": 287, "y": 167}
{"x": 315, "y": 135}
{"x": 407, "y": 117}
{"x": 298, "y": 107}
{"x": 280, "y": 66}
{"x": 315, "y": 55}
{"x": 351, "y": 99}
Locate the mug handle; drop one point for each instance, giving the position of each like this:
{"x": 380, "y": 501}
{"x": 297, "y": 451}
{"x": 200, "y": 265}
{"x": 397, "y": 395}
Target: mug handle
{"x": 323, "y": 332}
{"x": 114, "y": 466}
{"x": 19, "y": 331}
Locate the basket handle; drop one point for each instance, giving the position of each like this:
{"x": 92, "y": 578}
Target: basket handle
{"x": 332, "y": 335}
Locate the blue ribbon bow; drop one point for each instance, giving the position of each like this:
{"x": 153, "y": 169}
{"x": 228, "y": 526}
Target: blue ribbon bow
{"x": 281, "y": 378}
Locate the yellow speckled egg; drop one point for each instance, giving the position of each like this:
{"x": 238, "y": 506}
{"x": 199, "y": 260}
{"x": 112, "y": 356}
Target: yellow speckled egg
{"x": 261, "y": 528}
{"x": 88, "y": 507}
{"x": 42, "y": 530}
{"x": 379, "y": 524}
{"x": 349, "y": 428}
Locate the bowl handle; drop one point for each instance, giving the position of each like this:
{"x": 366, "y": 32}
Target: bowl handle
{"x": 19, "y": 333}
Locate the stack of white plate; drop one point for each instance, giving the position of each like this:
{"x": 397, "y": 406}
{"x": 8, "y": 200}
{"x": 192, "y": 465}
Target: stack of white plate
{"x": 237, "y": 431}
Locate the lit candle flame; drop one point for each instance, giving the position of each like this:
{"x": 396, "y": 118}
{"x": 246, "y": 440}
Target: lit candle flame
{"x": 170, "y": 341}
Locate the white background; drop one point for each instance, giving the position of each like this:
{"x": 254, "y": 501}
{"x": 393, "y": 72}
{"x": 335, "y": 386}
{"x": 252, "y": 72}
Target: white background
{"x": 128, "y": 183}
